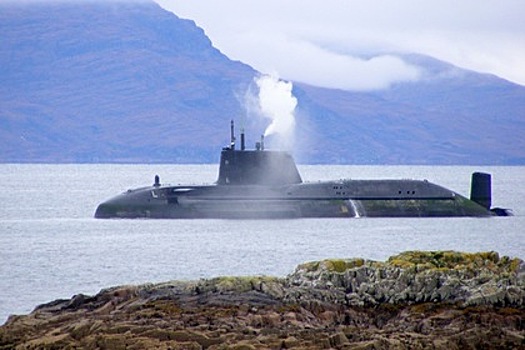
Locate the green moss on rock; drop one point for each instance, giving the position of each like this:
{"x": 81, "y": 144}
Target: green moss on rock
{"x": 332, "y": 265}
{"x": 423, "y": 260}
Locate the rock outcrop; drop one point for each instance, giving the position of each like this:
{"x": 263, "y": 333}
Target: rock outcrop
{"x": 439, "y": 300}
{"x": 414, "y": 277}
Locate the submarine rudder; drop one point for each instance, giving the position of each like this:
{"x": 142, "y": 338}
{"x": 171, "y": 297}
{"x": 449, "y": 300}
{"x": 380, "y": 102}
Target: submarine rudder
{"x": 481, "y": 189}
{"x": 481, "y": 193}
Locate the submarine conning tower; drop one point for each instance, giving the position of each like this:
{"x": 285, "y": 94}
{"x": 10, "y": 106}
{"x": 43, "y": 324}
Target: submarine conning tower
{"x": 256, "y": 167}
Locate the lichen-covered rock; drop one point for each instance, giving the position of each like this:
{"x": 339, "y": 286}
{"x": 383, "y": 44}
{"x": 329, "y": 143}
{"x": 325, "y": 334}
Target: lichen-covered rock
{"x": 439, "y": 300}
{"x": 413, "y": 277}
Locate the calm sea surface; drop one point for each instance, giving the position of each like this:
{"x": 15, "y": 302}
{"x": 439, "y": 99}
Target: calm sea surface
{"x": 51, "y": 247}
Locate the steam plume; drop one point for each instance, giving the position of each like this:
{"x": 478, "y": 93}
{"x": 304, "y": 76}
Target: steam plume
{"x": 277, "y": 103}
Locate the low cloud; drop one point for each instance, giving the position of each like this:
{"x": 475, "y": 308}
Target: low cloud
{"x": 305, "y": 62}
{"x": 323, "y": 43}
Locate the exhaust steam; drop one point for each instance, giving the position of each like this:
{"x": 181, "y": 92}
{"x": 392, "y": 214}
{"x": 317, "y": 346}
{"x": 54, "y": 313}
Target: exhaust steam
{"x": 277, "y": 103}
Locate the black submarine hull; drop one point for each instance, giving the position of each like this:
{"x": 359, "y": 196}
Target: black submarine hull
{"x": 345, "y": 199}
{"x": 266, "y": 184}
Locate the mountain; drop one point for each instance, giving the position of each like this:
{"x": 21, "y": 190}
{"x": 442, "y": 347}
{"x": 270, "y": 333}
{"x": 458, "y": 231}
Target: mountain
{"x": 450, "y": 116}
{"x": 111, "y": 82}
{"x": 131, "y": 82}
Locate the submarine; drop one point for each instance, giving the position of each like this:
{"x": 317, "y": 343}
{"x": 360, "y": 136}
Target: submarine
{"x": 262, "y": 183}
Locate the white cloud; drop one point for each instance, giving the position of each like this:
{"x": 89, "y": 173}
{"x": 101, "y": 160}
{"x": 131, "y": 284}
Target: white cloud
{"x": 321, "y": 42}
{"x": 306, "y": 62}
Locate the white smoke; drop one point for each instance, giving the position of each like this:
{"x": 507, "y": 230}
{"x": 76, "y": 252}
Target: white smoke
{"x": 277, "y": 103}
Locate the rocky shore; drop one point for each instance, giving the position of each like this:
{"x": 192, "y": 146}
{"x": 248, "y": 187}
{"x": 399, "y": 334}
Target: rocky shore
{"x": 415, "y": 300}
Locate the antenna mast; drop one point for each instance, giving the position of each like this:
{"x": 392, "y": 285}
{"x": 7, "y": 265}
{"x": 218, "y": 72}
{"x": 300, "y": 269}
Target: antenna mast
{"x": 243, "y": 147}
{"x": 232, "y": 136}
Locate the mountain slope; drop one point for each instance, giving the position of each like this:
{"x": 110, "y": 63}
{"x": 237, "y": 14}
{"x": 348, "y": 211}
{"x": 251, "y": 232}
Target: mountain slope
{"x": 130, "y": 82}
{"x": 450, "y": 116}
{"x": 111, "y": 82}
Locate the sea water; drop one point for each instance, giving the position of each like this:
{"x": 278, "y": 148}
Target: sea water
{"x": 51, "y": 247}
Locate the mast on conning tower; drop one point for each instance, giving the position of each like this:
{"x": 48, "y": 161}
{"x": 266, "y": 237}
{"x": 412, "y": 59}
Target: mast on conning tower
{"x": 232, "y": 135}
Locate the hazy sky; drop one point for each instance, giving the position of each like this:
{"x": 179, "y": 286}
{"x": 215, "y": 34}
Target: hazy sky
{"x": 348, "y": 43}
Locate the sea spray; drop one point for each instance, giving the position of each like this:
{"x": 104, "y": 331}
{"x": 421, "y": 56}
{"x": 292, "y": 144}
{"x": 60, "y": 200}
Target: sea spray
{"x": 277, "y": 103}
